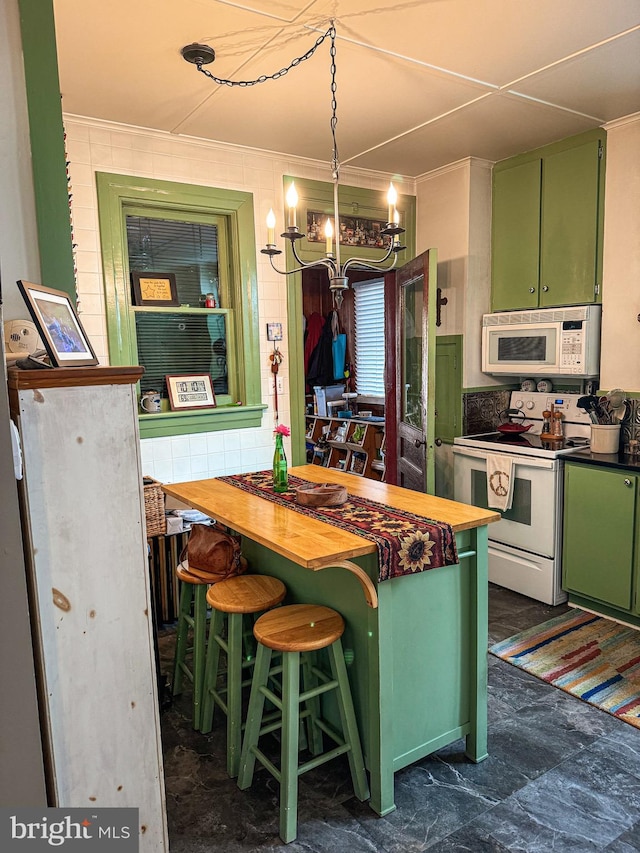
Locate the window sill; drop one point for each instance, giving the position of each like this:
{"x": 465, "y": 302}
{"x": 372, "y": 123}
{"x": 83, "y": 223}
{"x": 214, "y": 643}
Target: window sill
{"x": 209, "y": 420}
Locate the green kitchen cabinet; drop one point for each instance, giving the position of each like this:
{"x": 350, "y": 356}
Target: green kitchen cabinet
{"x": 516, "y": 236}
{"x": 547, "y": 225}
{"x": 601, "y": 538}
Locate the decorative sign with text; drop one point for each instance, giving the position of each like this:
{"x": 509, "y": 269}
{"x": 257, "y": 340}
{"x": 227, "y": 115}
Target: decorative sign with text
{"x": 154, "y": 288}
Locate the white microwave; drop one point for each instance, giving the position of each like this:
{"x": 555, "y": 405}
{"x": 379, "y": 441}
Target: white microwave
{"x": 546, "y": 342}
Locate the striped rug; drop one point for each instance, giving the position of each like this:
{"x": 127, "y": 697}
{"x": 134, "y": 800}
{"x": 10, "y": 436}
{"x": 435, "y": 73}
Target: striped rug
{"x": 592, "y": 658}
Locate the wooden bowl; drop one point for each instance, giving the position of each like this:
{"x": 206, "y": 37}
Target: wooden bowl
{"x": 321, "y": 494}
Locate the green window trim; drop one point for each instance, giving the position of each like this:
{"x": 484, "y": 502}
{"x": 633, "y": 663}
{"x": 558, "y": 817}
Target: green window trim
{"x": 122, "y": 194}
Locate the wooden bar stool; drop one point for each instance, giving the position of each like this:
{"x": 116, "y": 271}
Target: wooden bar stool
{"x": 192, "y": 615}
{"x": 230, "y": 600}
{"x": 298, "y": 631}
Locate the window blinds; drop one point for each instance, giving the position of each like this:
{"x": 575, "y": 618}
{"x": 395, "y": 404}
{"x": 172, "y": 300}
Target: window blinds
{"x": 369, "y": 337}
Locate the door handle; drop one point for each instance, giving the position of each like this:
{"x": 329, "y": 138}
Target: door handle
{"x": 438, "y": 442}
{"x": 419, "y": 442}
{"x": 627, "y": 481}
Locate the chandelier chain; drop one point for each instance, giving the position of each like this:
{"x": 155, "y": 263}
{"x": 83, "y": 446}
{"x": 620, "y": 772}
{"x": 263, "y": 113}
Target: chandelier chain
{"x": 335, "y": 163}
{"x": 276, "y": 75}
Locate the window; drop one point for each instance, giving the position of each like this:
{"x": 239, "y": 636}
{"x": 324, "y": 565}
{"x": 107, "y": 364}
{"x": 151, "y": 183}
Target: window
{"x": 204, "y": 239}
{"x": 190, "y": 341}
{"x": 369, "y": 337}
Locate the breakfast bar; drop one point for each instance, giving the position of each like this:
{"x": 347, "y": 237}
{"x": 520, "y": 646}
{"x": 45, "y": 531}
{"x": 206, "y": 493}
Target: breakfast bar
{"x": 415, "y": 645}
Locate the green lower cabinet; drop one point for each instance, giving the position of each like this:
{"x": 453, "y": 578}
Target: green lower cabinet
{"x": 601, "y": 520}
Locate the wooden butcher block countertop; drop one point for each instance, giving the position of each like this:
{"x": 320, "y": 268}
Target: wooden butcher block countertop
{"x": 307, "y": 541}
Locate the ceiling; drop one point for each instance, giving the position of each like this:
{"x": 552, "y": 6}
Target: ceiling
{"x": 420, "y": 83}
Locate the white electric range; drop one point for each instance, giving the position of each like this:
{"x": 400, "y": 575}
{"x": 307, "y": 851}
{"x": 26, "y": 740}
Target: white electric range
{"x": 525, "y": 547}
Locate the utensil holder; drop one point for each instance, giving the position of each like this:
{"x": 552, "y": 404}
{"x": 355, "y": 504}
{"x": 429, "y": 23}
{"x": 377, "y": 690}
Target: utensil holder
{"x": 605, "y": 438}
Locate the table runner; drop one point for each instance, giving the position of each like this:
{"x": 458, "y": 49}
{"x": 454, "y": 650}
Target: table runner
{"x": 407, "y": 543}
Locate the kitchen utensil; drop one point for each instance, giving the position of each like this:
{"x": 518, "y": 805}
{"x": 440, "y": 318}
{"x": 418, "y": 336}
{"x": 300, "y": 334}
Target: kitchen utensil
{"x": 589, "y": 404}
{"x": 510, "y": 427}
{"x": 617, "y": 404}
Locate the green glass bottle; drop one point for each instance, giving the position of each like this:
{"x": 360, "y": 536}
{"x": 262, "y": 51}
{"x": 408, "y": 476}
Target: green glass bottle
{"x": 280, "y": 474}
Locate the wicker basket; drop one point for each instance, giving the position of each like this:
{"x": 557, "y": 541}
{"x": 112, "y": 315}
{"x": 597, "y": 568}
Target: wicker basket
{"x": 154, "y": 507}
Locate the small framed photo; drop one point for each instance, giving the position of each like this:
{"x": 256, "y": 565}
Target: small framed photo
{"x": 59, "y": 326}
{"x": 154, "y": 288}
{"x": 274, "y": 331}
{"x": 190, "y": 391}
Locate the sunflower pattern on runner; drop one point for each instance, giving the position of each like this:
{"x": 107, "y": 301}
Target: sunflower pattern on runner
{"x": 407, "y": 543}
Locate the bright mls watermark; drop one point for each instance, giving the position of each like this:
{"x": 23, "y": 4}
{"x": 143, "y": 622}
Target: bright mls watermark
{"x": 36, "y": 829}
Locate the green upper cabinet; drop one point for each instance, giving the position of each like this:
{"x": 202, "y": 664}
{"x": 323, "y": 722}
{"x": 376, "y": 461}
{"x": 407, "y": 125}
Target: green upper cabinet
{"x": 547, "y": 225}
{"x": 516, "y": 236}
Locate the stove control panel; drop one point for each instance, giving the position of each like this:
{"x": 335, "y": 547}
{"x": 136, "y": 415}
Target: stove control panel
{"x": 532, "y": 404}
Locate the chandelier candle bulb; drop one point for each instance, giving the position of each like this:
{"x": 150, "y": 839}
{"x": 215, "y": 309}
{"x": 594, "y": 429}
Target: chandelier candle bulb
{"x": 271, "y": 228}
{"x": 392, "y": 198}
{"x": 292, "y": 201}
{"x": 328, "y": 233}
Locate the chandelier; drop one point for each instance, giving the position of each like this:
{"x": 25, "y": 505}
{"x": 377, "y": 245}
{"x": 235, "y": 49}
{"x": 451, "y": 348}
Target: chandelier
{"x": 201, "y": 55}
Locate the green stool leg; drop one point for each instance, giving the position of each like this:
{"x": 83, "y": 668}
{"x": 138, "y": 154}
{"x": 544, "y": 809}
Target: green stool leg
{"x": 211, "y": 672}
{"x": 254, "y": 717}
{"x": 184, "y": 619}
{"x": 199, "y": 649}
{"x": 309, "y": 681}
{"x": 289, "y": 746}
{"x": 348, "y": 720}
{"x": 234, "y": 693}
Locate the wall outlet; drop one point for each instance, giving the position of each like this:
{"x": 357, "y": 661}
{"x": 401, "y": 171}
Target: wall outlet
{"x": 279, "y": 385}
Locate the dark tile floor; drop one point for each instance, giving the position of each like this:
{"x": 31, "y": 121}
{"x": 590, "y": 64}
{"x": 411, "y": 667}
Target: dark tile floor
{"x": 561, "y": 776}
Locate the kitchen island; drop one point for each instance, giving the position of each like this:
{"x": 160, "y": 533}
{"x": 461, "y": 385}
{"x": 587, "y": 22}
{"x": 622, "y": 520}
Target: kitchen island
{"x": 416, "y": 645}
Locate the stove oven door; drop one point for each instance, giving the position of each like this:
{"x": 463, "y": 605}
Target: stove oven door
{"x": 531, "y": 523}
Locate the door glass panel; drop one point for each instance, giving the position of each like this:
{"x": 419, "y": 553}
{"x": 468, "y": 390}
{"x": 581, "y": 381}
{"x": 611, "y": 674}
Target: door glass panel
{"x": 411, "y": 349}
{"x": 520, "y": 511}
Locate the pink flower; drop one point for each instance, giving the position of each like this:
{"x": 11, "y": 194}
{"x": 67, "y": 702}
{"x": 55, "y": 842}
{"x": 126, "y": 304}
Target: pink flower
{"x": 281, "y": 429}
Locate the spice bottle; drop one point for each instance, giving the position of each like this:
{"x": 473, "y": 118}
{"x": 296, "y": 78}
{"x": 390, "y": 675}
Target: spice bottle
{"x": 556, "y": 427}
{"x": 546, "y": 422}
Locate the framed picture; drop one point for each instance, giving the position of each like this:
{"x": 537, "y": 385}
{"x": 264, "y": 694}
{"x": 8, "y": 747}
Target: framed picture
{"x": 274, "y": 331}
{"x": 59, "y": 326}
{"x": 190, "y": 391}
{"x": 154, "y": 288}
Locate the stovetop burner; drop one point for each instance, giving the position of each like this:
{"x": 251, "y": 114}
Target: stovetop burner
{"x": 529, "y": 440}
{"x": 575, "y": 422}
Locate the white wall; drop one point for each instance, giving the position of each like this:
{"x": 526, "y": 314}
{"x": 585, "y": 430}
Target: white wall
{"x": 454, "y": 215}
{"x": 106, "y": 147}
{"x": 620, "y": 361}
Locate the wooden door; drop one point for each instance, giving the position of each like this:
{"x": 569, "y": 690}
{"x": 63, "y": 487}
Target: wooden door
{"x": 410, "y": 295}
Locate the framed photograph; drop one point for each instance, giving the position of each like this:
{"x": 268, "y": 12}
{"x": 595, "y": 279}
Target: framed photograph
{"x": 274, "y": 331}
{"x": 154, "y": 288}
{"x": 59, "y": 326}
{"x": 190, "y": 391}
